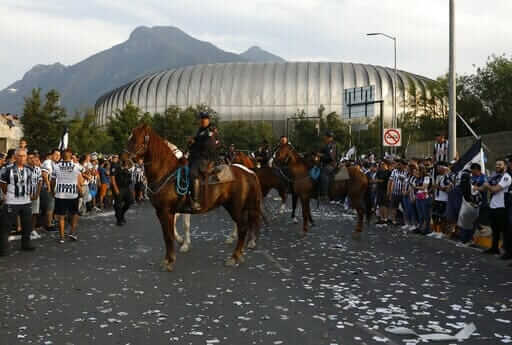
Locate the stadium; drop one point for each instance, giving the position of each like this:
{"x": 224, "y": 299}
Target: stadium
{"x": 270, "y": 92}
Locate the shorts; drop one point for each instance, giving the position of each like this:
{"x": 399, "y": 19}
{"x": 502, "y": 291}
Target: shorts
{"x": 139, "y": 187}
{"x": 382, "y": 198}
{"x": 47, "y": 201}
{"x": 36, "y": 207}
{"x": 66, "y": 206}
{"x": 395, "y": 201}
{"x": 439, "y": 209}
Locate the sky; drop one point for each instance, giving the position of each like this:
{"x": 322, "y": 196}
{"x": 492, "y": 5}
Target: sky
{"x": 67, "y": 31}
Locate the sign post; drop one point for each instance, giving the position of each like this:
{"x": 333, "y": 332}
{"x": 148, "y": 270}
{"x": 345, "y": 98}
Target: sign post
{"x": 392, "y": 137}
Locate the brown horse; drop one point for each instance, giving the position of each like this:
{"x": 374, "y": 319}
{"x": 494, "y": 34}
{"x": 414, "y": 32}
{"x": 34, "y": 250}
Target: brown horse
{"x": 303, "y": 185}
{"x": 356, "y": 187}
{"x": 241, "y": 197}
{"x": 269, "y": 179}
{"x": 244, "y": 159}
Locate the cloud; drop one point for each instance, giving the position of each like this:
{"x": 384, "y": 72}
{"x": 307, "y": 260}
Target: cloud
{"x": 327, "y": 30}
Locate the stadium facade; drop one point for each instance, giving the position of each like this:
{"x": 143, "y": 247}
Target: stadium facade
{"x": 265, "y": 91}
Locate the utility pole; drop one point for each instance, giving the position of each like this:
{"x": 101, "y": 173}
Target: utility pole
{"x": 452, "y": 117}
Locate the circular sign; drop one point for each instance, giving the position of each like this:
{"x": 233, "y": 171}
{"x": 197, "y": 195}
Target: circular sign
{"x": 392, "y": 137}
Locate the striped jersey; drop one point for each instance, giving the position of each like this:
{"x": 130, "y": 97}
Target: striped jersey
{"x": 37, "y": 177}
{"x": 441, "y": 151}
{"x": 19, "y": 184}
{"x": 66, "y": 175}
{"x": 138, "y": 174}
{"x": 399, "y": 178}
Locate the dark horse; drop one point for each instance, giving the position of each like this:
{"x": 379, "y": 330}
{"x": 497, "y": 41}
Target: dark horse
{"x": 269, "y": 178}
{"x": 356, "y": 187}
{"x": 241, "y": 197}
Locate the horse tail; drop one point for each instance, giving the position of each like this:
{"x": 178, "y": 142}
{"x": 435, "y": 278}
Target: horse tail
{"x": 367, "y": 199}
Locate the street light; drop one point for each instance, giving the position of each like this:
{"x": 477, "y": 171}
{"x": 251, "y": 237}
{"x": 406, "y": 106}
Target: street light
{"x": 393, "y": 120}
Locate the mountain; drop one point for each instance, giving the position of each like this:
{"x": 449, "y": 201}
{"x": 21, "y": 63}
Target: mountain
{"x": 147, "y": 50}
{"x": 257, "y": 54}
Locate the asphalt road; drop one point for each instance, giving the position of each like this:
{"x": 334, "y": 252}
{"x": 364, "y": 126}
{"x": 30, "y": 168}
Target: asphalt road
{"x": 327, "y": 288}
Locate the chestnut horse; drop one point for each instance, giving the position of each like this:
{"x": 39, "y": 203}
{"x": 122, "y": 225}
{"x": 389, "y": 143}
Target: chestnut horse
{"x": 269, "y": 179}
{"x": 240, "y": 197}
{"x": 303, "y": 185}
{"x": 356, "y": 188}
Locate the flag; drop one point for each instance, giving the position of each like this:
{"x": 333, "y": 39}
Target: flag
{"x": 350, "y": 153}
{"x": 64, "y": 140}
{"x": 475, "y": 154}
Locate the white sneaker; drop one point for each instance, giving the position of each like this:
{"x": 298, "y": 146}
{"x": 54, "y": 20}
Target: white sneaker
{"x": 404, "y": 227}
{"x": 411, "y": 227}
{"x": 34, "y": 235}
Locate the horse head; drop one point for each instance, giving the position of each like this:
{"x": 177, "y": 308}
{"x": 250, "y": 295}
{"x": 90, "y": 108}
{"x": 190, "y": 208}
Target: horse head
{"x": 138, "y": 141}
{"x": 284, "y": 154}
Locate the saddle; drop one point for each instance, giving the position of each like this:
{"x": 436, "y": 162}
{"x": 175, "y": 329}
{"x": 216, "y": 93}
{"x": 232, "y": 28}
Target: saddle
{"x": 221, "y": 174}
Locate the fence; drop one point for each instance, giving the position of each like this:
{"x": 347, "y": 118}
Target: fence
{"x": 499, "y": 145}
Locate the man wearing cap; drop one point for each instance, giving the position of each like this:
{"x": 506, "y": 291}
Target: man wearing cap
{"x": 329, "y": 157}
{"x": 230, "y": 155}
{"x": 202, "y": 151}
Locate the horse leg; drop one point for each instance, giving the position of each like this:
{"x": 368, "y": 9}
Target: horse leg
{"x": 304, "y": 201}
{"x": 233, "y": 235}
{"x": 283, "y": 195}
{"x": 254, "y": 229}
{"x": 177, "y": 236}
{"x": 185, "y": 247}
{"x": 167, "y": 222}
{"x": 294, "y": 207}
{"x": 237, "y": 256}
{"x": 360, "y": 218}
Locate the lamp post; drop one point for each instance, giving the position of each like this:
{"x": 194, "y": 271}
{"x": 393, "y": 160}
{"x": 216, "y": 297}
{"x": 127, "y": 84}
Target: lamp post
{"x": 393, "y": 119}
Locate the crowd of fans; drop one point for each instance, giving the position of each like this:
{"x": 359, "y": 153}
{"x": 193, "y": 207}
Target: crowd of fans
{"x": 428, "y": 197}
{"x": 32, "y": 189}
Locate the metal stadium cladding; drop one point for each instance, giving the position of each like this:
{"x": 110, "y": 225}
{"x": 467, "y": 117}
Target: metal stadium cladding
{"x": 261, "y": 91}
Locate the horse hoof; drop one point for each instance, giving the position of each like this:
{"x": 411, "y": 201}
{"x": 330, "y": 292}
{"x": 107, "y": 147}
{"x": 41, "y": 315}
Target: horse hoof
{"x": 230, "y": 262}
{"x": 356, "y": 235}
{"x": 230, "y": 240}
{"x": 180, "y": 240}
{"x": 241, "y": 259}
{"x": 251, "y": 244}
{"x": 184, "y": 248}
{"x": 167, "y": 265}
{"x": 295, "y": 220}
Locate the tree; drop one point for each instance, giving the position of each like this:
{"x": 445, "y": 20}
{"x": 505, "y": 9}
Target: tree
{"x": 121, "y": 125}
{"x": 85, "y": 136}
{"x": 244, "y": 134}
{"x": 43, "y": 124}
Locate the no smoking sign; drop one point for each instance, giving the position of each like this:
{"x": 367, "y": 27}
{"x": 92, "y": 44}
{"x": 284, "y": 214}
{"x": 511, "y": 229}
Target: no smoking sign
{"x": 392, "y": 137}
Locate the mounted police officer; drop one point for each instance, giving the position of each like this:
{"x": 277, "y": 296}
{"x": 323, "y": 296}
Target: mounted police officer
{"x": 202, "y": 151}
{"x": 329, "y": 156}
{"x": 231, "y": 154}
{"x": 263, "y": 154}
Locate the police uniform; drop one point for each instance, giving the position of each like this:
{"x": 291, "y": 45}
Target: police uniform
{"x": 202, "y": 151}
{"x": 263, "y": 155}
{"x": 123, "y": 200}
{"x": 329, "y": 160}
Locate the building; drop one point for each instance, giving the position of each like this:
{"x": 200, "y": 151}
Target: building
{"x": 11, "y": 132}
{"x": 267, "y": 91}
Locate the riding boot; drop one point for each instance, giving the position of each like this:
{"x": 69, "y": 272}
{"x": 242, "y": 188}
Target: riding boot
{"x": 196, "y": 191}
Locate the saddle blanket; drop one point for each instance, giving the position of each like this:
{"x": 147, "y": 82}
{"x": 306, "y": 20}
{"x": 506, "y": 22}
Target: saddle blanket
{"x": 222, "y": 174}
{"x": 342, "y": 174}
